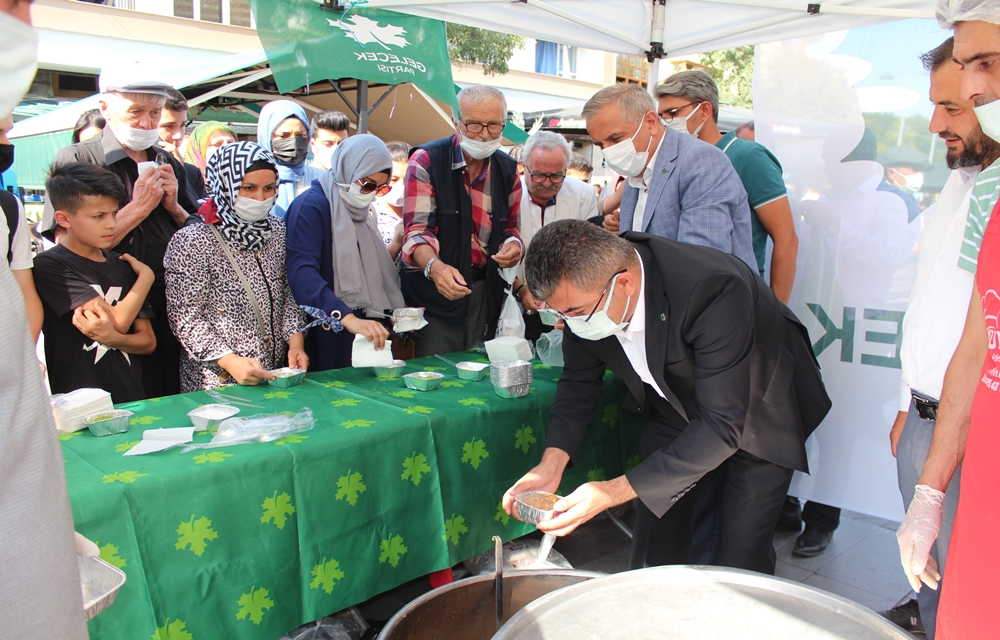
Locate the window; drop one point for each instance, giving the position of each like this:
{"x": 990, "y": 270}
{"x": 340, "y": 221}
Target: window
{"x": 634, "y": 69}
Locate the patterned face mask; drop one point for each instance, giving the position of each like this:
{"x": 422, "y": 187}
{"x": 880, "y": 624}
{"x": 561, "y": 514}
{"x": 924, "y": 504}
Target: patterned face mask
{"x": 225, "y": 173}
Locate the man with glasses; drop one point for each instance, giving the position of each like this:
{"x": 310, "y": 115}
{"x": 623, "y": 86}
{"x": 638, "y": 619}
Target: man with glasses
{"x": 461, "y": 213}
{"x": 678, "y": 188}
{"x": 548, "y": 195}
{"x": 723, "y": 372}
{"x": 689, "y": 104}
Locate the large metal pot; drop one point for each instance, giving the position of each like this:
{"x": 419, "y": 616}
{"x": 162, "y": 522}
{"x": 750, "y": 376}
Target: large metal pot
{"x": 700, "y": 603}
{"x": 466, "y": 609}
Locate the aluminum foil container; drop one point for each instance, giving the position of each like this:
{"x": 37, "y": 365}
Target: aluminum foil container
{"x": 517, "y": 391}
{"x": 423, "y": 380}
{"x": 535, "y": 506}
{"x": 286, "y": 377}
{"x": 474, "y": 371}
{"x": 100, "y": 583}
{"x": 511, "y": 378}
{"x": 106, "y": 423}
{"x": 390, "y": 373}
{"x": 210, "y": 416}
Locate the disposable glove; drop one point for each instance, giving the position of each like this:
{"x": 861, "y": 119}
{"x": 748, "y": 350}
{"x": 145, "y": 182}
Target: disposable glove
{"x": 916, "y": 535}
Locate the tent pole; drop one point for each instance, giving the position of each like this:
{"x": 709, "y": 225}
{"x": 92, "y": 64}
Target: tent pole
{"x": 336, "y": 87}
{"x": 362, "y": 95}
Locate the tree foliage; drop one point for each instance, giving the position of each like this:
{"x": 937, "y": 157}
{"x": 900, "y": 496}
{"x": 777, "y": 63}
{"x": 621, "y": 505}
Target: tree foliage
{"x": 732, "y": 70}
{"x": 493, "y": 50}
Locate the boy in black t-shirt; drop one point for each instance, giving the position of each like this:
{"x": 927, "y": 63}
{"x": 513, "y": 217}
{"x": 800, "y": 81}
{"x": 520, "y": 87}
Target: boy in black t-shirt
{"x": 96, "y": 314}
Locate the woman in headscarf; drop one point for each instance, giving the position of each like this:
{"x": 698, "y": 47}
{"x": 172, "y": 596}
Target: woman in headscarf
{"x": 283, "y": 129}
{"x": 337, "y": 261}
{"x": 228, "y": 299}
{"x": 205, "y": 140}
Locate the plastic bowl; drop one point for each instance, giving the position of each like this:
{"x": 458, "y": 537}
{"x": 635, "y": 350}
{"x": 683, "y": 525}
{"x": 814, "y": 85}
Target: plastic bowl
{"x": 423, "y": 380}
{"x": 286, "y": 377}
{"x": 535, "y": 506}
{"x": 106, "y": 423}
{"x": 516, "y": 391}
{"x": 474, "y": 371}
{"x": 210, "y": 416}
{"x": 390, "y": 373}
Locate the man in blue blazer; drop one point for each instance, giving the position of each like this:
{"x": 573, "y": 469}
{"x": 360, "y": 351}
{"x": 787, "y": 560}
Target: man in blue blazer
{"x": 679, "y": 187}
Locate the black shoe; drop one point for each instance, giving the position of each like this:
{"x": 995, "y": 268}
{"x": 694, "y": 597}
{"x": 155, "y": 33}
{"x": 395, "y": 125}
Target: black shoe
{"x": 906, "y": 616}
{"x": 790, "y": 519}
{"x": 812, "y": 542}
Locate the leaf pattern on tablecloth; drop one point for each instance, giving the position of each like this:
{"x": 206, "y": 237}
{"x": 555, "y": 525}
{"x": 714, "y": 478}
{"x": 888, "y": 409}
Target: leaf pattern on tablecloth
{"x": 109, "y": 553}
{"x": 474, "y": 452}
{"x": 610, "y": 416}
{"x": 524, "y": 438}
{"x": 453, "y": 384}
{"x": 277, "y": 508}
{"x": 357, "y": 422}
{"x": 144, "y": 420}
{"x": 433, "y": 368}
{"x": 468, "y": 402}
{"x": 335, "y": 384}
{"x": 176, "y": 630}
{"x": 195, "y": 534}
{"x": 326, "y": 575}
{"x": 66, "y": 436}
{"x": 122, "y": 447}
{"x": 291, "y": 438}
{"x": 350, "y": 486}
{"x": 211, "y": 456}
{"x": 415, "y": 467}
{"x": 254, "y": 604}
{"x": 419, "y": 409}
{"x": 346, "y": 402}
{"x": 392, "y": 549}
{"x": 122, "y": 476}
{"x": 596, "y": 475}
{"x": 279, "y": 395}
{"x": 633, "y": 462}
{"x": 454, "y": 527}
{"x": 501, "y": 516}
{"x": 406, "y": 394}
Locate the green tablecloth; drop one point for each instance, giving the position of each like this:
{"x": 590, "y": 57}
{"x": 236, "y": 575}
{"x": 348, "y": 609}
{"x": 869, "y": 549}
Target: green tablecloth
{"x": 250, "y": 541}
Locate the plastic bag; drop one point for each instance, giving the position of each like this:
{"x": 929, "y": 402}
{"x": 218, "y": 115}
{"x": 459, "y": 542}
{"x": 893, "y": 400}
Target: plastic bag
{"x": 511, "y": 322}
{"x": 346, "y": 625}
{"x": 549, "y": 348}
{"x": 517, "y": 555}
{"x": 258, "y": 428}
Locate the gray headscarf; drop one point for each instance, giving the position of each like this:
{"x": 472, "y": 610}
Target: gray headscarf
{"x": 364, "y": 276}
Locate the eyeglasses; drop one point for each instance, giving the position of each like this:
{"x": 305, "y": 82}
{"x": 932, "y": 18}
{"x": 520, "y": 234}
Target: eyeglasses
{"x": 477, "y": 127}
{"x": 369, "y": 186}
{"x": 590, "y": 315}
{"x": 670, "y": 114}
{"x": 540, "y": 178}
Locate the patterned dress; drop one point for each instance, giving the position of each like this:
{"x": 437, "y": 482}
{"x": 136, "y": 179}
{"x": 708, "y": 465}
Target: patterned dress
{"x": 209, "y": 310}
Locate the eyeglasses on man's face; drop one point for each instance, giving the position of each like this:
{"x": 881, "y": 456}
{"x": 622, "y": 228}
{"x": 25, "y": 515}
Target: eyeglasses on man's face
{"x": 477, "y": 127}
{"x": 367, "y": 186}
{"x": 597, "y": 304}
{"x": 540, "y": 178}
{"x": 670, "y": 114}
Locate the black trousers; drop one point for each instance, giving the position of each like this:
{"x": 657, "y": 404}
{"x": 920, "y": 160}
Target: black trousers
{"x": 821, "y": 515}
{"x": 752, "y": 494}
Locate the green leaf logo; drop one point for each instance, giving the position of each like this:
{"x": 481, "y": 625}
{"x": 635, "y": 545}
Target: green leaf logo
{"x": 454, "y": 527}
{"x": 66, "y": 436}
{"x": 449, "y": 384}
{"x": 195, "y": 534}
{"x": 541, "y": 366}
{"x": 415, "y": 467}
{"x": 474, "y": 452}
{"x": 346, "y": 402}
{"x": 350, "y": 424}
{"x": 325, "y": 575}
{"x": 277, "y": 509}
{"x": 596, "y": 475}
{"x": 279, "y": 395}
{"x": 124, "y": 476}
{"x": 468, "y": 402}
{"x": 211, "y": 456}
{"x": 122, "y": 447}
{"x": 610, "y": 416}
{"x": 502, "y": 516}
{"x": 175, "y": 630}
{"x": 291, "y": 438}
{"x": 143, "y": 420}
{"x": 524, "y": 438}
{"x": 335, "y": 384}
{"x": 419, "y": 409}
{"x": 435, "y": 368}
{"x": 406, "y": 394}
{"x": 253, "y": 605}
{"x": 109, "y": 553}
{"x": 392, "y": 550}
{"x": 633, "y": 462}
{"x": 349, "y": 487}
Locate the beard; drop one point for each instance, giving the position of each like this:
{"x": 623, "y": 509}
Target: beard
{"x": 977, "y": 148}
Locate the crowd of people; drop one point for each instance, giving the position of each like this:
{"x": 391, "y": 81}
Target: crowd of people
{"x": 183, "y": 260}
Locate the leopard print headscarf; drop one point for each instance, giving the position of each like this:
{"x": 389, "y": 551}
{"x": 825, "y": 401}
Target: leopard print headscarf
{"x": 225, "y": 173}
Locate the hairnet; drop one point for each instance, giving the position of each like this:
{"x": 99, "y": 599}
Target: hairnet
{"x": 951, "y": 11}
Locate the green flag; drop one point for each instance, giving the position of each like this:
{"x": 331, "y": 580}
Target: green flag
{"x": 306, "y": 44}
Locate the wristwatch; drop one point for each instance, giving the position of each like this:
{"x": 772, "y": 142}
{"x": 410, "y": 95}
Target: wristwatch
{"x": 427, "y": 268}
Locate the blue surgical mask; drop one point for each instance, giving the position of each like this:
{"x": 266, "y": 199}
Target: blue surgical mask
{"x": 599, "y": 326}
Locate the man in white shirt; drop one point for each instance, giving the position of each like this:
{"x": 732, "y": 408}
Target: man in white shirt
{"x": 935, "y": 315}
{"x": 548, "y": 194}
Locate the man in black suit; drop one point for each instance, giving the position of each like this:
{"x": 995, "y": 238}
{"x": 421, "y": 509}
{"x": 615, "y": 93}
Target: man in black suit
{"x": 722, "y": 370}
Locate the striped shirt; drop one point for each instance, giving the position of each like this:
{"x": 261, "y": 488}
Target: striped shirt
{"x": 984, "y": 197}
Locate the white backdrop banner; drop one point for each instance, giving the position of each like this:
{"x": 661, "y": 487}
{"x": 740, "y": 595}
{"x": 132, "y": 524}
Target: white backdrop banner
{"x": 830, "y": 107}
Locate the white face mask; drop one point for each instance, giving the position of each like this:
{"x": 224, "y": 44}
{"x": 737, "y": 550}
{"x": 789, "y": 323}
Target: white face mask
{"x": 324, "y": 155}
{"x": 599, "y": 326}
{"x": 18, "y": 61}
{"x": 989, "y": 119}
{"x": 478, "y": 149}
{"x": 914, "y": 182}
{"x": 395, "y": 196}
{"x": 680, "y": 124}
{"x": 351, "y": 193}
{"x": 250, "y": 210}
{"x": 624, "y": 159}
{"x": 134, "y": 139}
